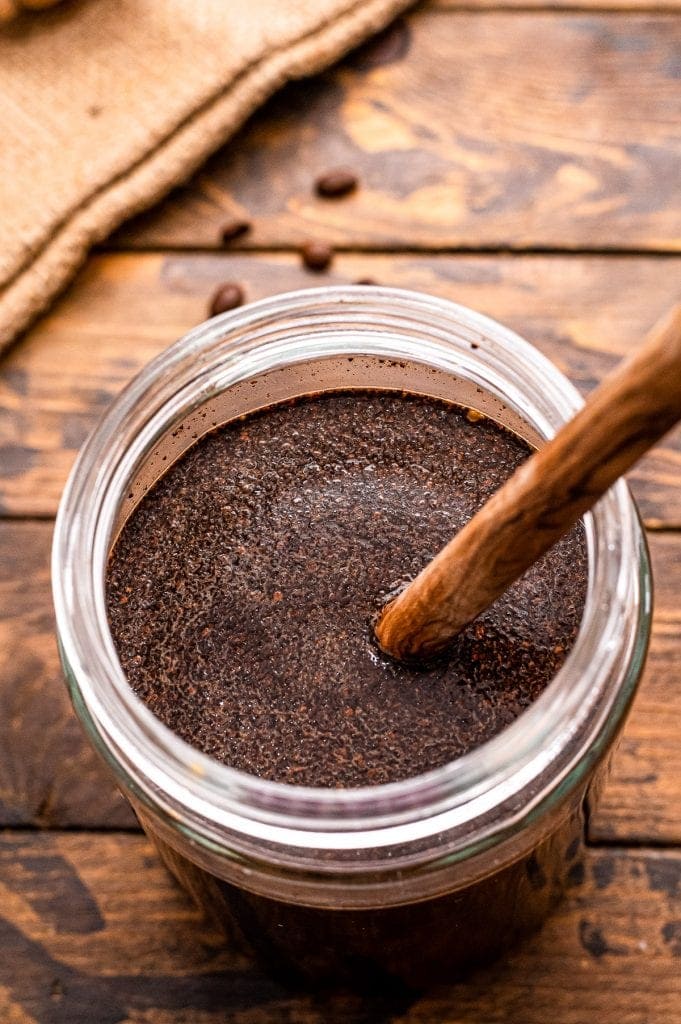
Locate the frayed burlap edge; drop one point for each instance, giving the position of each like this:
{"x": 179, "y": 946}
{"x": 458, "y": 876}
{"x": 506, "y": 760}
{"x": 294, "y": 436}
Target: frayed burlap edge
{"x": 31, "y": 292}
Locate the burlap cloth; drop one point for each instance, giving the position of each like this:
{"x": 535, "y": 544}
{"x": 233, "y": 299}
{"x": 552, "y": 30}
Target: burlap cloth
{"x": 106, "y": 104}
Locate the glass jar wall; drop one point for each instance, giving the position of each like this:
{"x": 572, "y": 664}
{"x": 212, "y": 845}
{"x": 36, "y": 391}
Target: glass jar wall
{"x": 415, "y": 879}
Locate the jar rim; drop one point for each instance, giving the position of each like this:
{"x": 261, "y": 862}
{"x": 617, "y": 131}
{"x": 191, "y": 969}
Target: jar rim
{"x": 210, "y": 798}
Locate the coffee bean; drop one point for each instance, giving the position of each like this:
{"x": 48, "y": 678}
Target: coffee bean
{"x": 228, "y": 296}
{"x": 336, "y": 183}
{"x": 317, "y": 256}
{"x": 233, "y": 229}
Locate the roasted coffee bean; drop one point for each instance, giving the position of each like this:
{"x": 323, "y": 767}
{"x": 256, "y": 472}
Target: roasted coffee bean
{"x": 233, "y": 229}
{"x": 228, "y": 296}
{"x": 336, "y": 183}
{"x": 317, "y": 256}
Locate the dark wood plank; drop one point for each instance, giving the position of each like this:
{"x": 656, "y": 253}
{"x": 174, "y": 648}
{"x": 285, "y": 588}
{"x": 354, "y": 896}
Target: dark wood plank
{"x": 94, "y": 930}
{"x": 583, "y": 312}
{"x": 49, "y": 775}
{"x": 641, "y": 799}
{"x": 467, "y": 128}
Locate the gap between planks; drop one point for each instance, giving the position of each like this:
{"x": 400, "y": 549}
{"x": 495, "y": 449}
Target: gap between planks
{"x": 110, "y": 248}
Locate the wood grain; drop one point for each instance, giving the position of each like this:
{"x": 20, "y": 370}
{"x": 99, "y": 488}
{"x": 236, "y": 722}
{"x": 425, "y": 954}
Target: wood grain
{"x": 584, "y": 312}
{"x": 96, "y": 931}
{"x": 467, "y": 128}
{"x": 638, "y": 802}
{"x": 50, "y": 777}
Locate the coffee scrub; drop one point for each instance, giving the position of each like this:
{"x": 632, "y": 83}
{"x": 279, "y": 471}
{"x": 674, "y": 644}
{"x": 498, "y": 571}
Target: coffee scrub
{"x": 227, "y": 537}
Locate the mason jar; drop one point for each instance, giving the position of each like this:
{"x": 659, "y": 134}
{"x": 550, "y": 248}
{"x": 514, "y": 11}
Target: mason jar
{"x": 416, "y": 880}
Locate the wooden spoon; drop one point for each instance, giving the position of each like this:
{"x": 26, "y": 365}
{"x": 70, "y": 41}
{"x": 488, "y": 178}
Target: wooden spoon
{"x": 625, "y": 416}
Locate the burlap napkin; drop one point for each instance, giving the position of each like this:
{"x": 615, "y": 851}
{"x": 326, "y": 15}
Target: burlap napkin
{"x": 106, "y": 104}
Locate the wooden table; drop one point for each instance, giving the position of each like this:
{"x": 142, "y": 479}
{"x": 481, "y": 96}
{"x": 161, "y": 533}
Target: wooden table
{"x": 524, "y": 160}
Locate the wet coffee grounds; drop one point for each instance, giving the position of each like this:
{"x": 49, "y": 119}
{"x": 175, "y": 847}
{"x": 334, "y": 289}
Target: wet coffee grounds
{"x": 241, "y": 590}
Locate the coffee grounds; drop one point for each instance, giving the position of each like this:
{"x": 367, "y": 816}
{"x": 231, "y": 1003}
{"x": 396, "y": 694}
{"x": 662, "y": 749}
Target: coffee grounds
{"x": 241, "y": 590}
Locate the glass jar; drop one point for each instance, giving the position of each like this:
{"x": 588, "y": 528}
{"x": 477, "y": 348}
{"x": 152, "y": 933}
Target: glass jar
{"x": 418, "y": 879}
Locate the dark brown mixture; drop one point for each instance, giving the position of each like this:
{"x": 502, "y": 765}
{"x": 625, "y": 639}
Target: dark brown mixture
{"x": 241, "y": 589}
